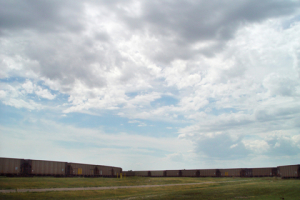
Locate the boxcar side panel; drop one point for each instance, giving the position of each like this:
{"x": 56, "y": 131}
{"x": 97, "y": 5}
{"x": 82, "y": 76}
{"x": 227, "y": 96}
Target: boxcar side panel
{"x": 190, "y": 173}
{"x": 47, "y": 168}
{"x": 289, "y": 171}
{"x": 207, "y": 172}
{"x": 157, "y": 173}
{"x": 172, "y": 173}
{"x": 10, "y": 166}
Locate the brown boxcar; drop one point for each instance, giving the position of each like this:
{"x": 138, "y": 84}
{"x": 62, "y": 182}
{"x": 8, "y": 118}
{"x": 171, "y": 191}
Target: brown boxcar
{"x": 129, "y": 173}
{"x": 289, "y": 171}
{"x": 208, "y": 173}
{"x": 234, "y": 172}
{"x": 142, "y": 173}
{"x": 191, "y": 173}
{"x": 47, "y": 168}
{"x": 158, "y": 173}
{"x": 105, "y": 171}
{"x": 117, "y": 171}
{"x": 246, "y": 172}
{"x": 264, "y": 172}
{"x": 78, "y": 169}
{"x": 173, "y": 173}
{"x": 10, "y": 166}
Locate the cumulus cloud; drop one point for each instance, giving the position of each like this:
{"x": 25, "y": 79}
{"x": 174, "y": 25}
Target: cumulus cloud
{"x": 44, "y": 93}
{"x": 284, "y": 86}
{"x": 30, "y": 88}
{"x": 2, "y": 93}
{"x": 231, "y": 68}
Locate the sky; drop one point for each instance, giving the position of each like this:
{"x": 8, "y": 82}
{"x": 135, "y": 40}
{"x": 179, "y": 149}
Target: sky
{"x": 151, "y": 85}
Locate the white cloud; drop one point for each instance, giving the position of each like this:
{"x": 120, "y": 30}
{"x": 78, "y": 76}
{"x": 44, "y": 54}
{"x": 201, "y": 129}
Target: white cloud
{"x": 257, "y": 146}
{"x": 44, "y": 93}
{"x": 70, "y": 139}
{"x": 19, "y": 103}
{"x": 2, "y": 94}
{"x": 28, "y": 86}
{"x": 233, "y": 73}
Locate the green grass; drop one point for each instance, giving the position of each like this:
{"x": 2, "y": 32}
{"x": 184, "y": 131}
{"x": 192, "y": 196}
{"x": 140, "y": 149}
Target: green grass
{"x": 248, "y": 188}
{"x": 51, "y": 182}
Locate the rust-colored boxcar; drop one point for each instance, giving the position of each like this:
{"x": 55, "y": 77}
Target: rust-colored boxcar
{"x": 234, "y": 172}
{"x": 47, "y": 168}
{"x": 208, "y": 173}
{"x": 129, "y": 173}
{"x": 246, "y": 172}
{"x": 289, "y": 171}
{"x": 158, "y": 173}
{"x": 116, "y": 171}
{"x": 106, "y": 171}
{"x": 173, "y": 173}
{"x": 191, "y": 173}
{"x": 10, "y": 166}
{"x": 142, "y": 173}
{"x": 264, "y": 172}
{"x": 78, "y": 169}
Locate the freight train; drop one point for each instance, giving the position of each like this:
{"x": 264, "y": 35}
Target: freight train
{"x": 288, "y": 171}
{"x": 28, "y": 167}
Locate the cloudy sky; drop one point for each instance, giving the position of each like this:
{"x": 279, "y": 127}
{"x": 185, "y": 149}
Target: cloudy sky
{"x": 151, "y": 84}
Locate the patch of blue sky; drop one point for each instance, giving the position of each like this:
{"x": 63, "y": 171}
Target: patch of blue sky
{"x": 13, "y": 117}
{"x": 75, "y": 144}
{"x": 154, "y": 129}
{"x": 151, "y": 151}
{"x": 132, "y": 94}
{"x": 84, "y": 120}
{"x": 288, "y": 23}
{"x": 165, "y": 101}
{"x": 88, "y": 145}
{"x": 10, "y": 116}
{"x": 181, "y": 118}
{"x": 251, "y": 137}
{"x": 60, "y": 96}
{"x": 216, "y": 111}
{"x": 12, "y": 79}
{"x": 115, "y": 124}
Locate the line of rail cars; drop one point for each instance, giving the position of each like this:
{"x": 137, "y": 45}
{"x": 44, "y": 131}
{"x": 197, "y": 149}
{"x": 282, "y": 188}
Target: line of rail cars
{"x": 27, "y": 167}
{"x": 289, "y": 171}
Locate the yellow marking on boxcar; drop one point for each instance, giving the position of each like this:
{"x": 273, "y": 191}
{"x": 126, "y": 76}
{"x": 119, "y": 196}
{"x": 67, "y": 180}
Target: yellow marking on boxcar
{"x": 79, "y": 171}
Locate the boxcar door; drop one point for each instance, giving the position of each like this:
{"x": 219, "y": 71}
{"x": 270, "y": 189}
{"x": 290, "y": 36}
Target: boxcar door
{"x": 26, "y": 167}
{"x": 274, "y": 172}
{"x": 69, "y": 170}
{"x": 96, "y": 171}
{"x": 242, "y": 173}
{"x": 218, "y": 173}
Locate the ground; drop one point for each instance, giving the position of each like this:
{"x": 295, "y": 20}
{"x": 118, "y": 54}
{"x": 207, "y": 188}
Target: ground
{"x": 210, "y": 188}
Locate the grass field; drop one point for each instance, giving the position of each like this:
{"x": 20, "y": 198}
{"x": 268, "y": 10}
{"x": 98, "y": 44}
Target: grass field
{"x": 221, "y": 188}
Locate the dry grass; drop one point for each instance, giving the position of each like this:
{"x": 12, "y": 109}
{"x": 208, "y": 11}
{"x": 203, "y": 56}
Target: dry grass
{"x": 51, "y": 182}
{"x": 255, "y": 188}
